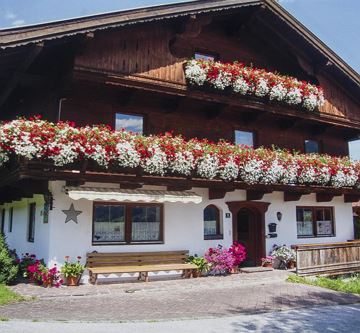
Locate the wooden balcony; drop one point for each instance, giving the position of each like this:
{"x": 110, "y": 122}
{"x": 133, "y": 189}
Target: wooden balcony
{"x": 30, "y": 177}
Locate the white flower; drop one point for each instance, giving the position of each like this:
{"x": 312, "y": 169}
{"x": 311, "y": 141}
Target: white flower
{"x": 3, "y": 157}
{"x": 222, "y": 81}
{"x": 262, "y": 88}
{"x": 310, "y": 102}
{"x": 344, "y": 179}
{"x": 274, "y": 174}
{"x": 252, "y": 172}
{"x": 240, "y": 86}
{"x": 195, "y": 73}
{"x": 127, "y": 156}
{"x": 183, "y": 163}
{"x": 278, "y": 92}
{"x": 294, "y": 96}
{"x": 157, "y": 163}
{"x": 208, "y": 166}
{"x": 229, "y": 171}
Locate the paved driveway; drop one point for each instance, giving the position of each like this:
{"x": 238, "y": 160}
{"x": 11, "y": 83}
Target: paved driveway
{"x": 329, "y": 319}
{"x": 173, "y": 299}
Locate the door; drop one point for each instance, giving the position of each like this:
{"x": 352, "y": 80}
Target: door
{"x": 246, "y": 235}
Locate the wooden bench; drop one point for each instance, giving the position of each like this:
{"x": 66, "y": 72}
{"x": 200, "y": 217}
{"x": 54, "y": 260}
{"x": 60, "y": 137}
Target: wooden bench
{"x": 138, "y": 262}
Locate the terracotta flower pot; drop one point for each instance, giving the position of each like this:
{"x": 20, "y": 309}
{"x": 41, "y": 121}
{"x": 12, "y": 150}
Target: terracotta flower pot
{"x": 72, "y": 281}
{"x": 291, "y": 264}
{"x": 267, "y": 264}
{"x": 196, "y": 273}
{"x": 234, "y": 270}
{"x": 47, "y": 283}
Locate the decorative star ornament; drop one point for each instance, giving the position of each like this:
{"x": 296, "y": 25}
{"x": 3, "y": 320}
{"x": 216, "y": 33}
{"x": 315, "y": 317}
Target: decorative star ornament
{"x": 71, "y": 214}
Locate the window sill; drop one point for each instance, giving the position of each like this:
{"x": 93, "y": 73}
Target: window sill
{"x": 124, "y": 243}
{"x": 322, "y": 236}
{"x": 213, "y": 237}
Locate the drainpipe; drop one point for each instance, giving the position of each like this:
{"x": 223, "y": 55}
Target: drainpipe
{"x": 60, "y": 106}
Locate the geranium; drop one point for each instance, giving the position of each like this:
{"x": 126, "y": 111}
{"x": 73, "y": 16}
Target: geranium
{"x": 220, "y": 259}
{"x": 238, "y": 252}
{"x": 64, "y": 144}
{"x": 42, "y": 275}
{"x": 246, "y": 80}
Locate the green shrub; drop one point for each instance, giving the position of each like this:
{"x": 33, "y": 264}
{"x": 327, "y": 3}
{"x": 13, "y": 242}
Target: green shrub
{"x": 8, "y": 268}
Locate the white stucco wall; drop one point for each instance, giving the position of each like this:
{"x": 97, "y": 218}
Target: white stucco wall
{"x": 18, "y": 238}
{"x": 183, "y": 224}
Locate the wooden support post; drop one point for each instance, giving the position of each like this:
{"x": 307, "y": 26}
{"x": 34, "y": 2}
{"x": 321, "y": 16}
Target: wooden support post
{"x": 216, "y": 193}
{"x": 324, "y": 197}
{"x": 292, "y": 196}
{"x": 255, "y": 194}
{"x": 351, "y": 197}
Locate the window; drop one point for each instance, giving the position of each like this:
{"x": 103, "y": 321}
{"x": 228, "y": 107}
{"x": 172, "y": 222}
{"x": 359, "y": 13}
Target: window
{"x": 212, "y": 225}
{"x": 129, "y": 123}
{"x": 11, "y": 213}
{"x": 311, "y": 146}
{"x": 315, "y": 222}
{"x": 204, "y": 56}
{"x": 244, "y": 138}
{"x": 31, "y": 225}
{"x": 127, "y": 223}
{"x": 3, "y": 221}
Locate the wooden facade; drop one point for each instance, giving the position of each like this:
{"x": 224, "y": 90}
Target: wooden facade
{"x": 328, "y": 259}
{"x": 89, "y": 74}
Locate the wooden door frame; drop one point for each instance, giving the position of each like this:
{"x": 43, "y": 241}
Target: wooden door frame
{"x": 258, "y": 209}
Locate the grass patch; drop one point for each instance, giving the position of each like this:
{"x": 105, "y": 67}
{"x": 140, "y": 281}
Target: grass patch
{"x": 346, "y": 284}
{"x": 7, "y": 296}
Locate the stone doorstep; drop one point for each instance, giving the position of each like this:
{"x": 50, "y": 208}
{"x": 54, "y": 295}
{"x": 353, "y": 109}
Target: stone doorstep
{"x": 255, "y": 269}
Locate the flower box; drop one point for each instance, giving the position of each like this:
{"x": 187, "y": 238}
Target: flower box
{"x": 240, "y": 80}
{"x": 100, "y": 148}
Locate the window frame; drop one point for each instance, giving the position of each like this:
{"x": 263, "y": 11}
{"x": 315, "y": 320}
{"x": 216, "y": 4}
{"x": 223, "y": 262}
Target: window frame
{"x": 10, "y": 219}
{"x": 314, "y": 221}
{"x": 219, "y": 234}
{"x": 319, "y": 143}
{"x": 144, "y": 117}
{"x": 128, "y": 225}
{"x": 2, "y": 227}
{"x": 207, "y": 53}
{"x": 254, "y": 135}
{"x": 31, "y": 222}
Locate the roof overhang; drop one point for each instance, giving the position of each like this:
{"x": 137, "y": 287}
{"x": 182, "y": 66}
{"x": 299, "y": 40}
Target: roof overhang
{"x": 127, "y": 195}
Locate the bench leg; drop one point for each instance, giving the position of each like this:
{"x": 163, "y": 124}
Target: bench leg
{"x": 146, "y": 276}
{"x": 93, "y": 278}
{"x": 140, "y": 276}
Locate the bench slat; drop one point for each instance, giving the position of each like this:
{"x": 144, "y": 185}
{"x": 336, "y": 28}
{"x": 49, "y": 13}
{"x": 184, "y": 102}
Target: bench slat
{"x": 137, "y": 262}
{"x": 144, "y": 268}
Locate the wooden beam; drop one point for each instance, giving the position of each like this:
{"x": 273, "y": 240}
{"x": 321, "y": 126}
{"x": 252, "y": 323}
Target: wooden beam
{"x": 351, "y": 198}
{"x": 216, "y": 193}
{"x": 256, "y": 194}
{"x": 14, "y": 80}
{"x": 130, "y": 185}
{"x": 179, "y": 187}
{"x": 324, "y": 197}
{"x": 179, "y": 89}
{"x": 292, "y": 196}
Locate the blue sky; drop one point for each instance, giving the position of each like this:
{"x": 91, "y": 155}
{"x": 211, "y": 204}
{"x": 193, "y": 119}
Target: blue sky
{"x": 336, "y": 22}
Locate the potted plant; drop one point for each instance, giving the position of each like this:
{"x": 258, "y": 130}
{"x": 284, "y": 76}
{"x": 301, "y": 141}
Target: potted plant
{"x": 44, "y": 276}
{"x": 201, "y": 263}
{"x": 238, "y": 252}
{"x": 72, "y": 271}
{"x": 285, "y": 257}
{"x": 267, "y": 261}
